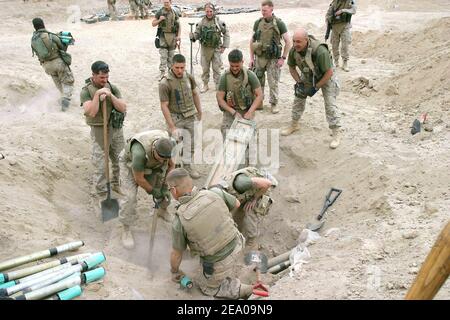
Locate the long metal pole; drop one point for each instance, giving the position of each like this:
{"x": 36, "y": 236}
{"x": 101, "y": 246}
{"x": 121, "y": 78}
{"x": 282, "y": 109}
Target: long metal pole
{"x": 192, "y": 67}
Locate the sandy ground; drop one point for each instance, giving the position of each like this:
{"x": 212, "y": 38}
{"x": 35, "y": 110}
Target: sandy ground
{"x": 396, "y": 186}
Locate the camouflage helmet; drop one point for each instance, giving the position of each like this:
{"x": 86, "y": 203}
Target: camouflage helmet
{"x": 164, "y": 147}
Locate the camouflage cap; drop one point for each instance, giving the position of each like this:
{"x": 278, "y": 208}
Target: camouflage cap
{"x": 164, "y": 147}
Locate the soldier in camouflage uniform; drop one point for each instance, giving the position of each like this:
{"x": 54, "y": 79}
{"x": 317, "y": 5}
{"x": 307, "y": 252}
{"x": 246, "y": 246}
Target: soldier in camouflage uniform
{"x": 251, "y": 187}
{"x": 140, "y": 8}
{"x": 96, "y": 89}
{"x": 144, "y": 163}
{"x": 315, "y": 63}
{"x": 340, "y": 14}
{"x": 239, "y": 93}
{"x": 167, "y": 20}
{"x": 180, "y": 104}
{"x": 266, "y": 46}
{"x": 112, "y": 9}
{"x": 53, "y": 63}
{"x": 203, "y": 223}
{"x": 214, "y": 38}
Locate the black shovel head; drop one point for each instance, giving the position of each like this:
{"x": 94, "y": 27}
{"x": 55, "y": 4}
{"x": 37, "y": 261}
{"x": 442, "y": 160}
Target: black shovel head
{"x": 110, "y": 209}
{"x": 416, "y": 127}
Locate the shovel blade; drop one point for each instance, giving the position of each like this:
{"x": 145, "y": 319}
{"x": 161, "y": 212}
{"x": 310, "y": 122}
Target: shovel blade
{"x": 110, "y": 209}
{"x": 314, "y": 226}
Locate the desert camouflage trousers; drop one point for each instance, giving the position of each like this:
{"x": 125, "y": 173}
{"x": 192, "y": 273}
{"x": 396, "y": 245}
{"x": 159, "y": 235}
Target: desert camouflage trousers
{"x": 138, "y": 8}
{"x": 129, "y": 188}
{"x": 188, "y": 136}
{"x": 166, "y": 57}
{"x": 341, "y": 35}
{"x": 211, "y": 58}
{"x": 330, "y": 91}
{"x": 116, "y": 145}
{"x": 112, "y": 9}
{"x": 223, "y": 283}
{"x": 61, "y": 75}
{"x": 273, "y": 76}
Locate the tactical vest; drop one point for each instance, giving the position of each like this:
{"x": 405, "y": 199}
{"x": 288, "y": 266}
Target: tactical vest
{"x": 311, "y": 73}
{"x": 339, "y": 5}
{"x": 181, "y": 99}
{"x": 147, "y": 139}
{"x": 241, "y": 89}
{"x": 268, "y": 38}
{"x": 251, "y": 172}
{"x": 207, "y": 222}
{"x": 98, "y": 119}
{"x": 210, "y": 33}
{"x": 44, "y": 46}
{"x": 169, "y": 25}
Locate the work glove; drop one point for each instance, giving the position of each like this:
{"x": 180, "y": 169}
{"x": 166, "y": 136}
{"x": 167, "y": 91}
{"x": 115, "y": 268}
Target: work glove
{"x": 157, "y": 193}
{"x": 312, "y": 91}
{"x": 299, "y": 90}
{"x": 177, "y": 276}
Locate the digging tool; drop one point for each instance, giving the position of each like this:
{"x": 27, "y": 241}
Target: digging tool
{"x": 259, "y": 261}
{"x": 152, "y": 235}
{"x": 40, "y": 255}
{"x": 329, "y": 200}
{"x": 110, "y": 207}
{"x": 435, "y": 270}
{"x": 192, "y": 68}
{"x": 417, "y": 124}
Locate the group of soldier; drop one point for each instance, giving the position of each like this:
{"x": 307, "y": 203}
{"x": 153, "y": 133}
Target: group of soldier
{"x": 138, "y": 8}
{"x": 206, "y": 221}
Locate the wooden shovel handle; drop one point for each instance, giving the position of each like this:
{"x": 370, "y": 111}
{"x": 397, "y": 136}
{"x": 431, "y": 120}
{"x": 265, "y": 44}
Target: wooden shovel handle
{"x": 434, "y": 271}
{"x": 105, "y": 139}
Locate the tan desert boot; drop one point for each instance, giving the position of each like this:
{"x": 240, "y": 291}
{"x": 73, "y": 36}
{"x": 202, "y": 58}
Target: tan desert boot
{"x": 291, "y": 129}
{"x": 336, "y": 141}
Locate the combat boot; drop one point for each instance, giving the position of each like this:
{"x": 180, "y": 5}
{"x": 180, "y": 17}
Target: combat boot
{"x": 336, "y": 141}
{"x": 345, "y": 66}
{"x": 192, "y": 172}
{"x": 205, "y": 88}
{"x": 251, "y": 244}
{"x": 127, "y": 238}
{"x": 291, "y": 129}
{"x": 274, "y": 109}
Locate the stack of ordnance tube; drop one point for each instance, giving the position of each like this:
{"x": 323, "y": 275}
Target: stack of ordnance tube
{"x": 279, "y": 263}
{"x": 60, "y": 279}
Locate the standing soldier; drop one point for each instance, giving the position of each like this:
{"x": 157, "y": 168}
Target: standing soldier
{"x": 144, "y": 163}
{"x": 266, "y": 46}
{"x": 52, "y": 55}
{"x": 251, "y": 187}
{"x": 339, "y": 15}
{"x": 239, "y": 93}
{"x": 169, "y": 30}
{"x": 180, "y": 104}
{"x": 204, "y": 224}
{"x": 315, "y": 63}
{"x": 140, "y": 8}
{"x": 214, "y": 38}
{"x": 112, "y": 9}
{"x": 98, "y": 88}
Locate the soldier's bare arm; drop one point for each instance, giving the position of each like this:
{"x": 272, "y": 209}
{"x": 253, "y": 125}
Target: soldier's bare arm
{"x": 166, "y": 112}
{"x": 220, "y": 96}
{"x": 119, "y": 104}
{"x": 294, "y": 73}
{"x": 197, "y": 103}
{"x": 327, "y": 76}
{"x": 141, "y": 181}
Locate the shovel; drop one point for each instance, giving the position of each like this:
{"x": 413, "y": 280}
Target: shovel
{"x": 329, "y": 200}
{"x": 110, "y": 207}
{"x": 259, "y": 261}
